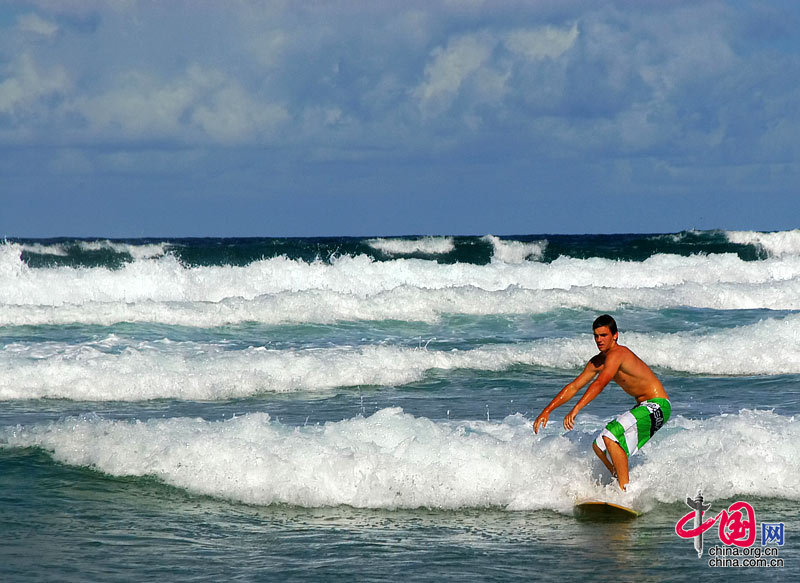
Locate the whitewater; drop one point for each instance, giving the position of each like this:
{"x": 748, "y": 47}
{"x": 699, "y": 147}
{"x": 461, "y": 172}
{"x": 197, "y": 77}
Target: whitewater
{"x": 368, "y": 386}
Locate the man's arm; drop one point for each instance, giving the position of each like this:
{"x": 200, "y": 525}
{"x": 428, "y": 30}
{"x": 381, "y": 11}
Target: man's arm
{"x": 611, "y": 367}
{"x": 565, "y": 395}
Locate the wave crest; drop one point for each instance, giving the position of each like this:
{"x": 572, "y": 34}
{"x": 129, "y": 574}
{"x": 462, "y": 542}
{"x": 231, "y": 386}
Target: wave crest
{"x": 114, "y": 369}
{"x": 774, "y": 244}
{"x": 395, "y": 460}
{"x": 423, "y": 246}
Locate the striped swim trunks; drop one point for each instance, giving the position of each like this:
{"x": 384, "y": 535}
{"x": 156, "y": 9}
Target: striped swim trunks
{"x": 634, "y": 428}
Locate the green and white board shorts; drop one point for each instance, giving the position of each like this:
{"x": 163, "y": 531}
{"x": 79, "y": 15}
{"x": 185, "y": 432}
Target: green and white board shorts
{"x": 634, "y": 428}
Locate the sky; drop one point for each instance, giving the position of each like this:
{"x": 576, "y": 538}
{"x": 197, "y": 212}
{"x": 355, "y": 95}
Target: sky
{"x": 128, "y": 118}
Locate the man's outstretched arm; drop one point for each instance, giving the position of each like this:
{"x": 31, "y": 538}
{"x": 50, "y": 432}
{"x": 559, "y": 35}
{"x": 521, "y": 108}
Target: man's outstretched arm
{"x": 612, "y": 364}
{"x": 565, "y": 395}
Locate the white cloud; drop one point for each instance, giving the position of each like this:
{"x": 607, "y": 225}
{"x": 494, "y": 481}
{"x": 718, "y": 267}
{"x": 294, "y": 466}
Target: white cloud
{"x": 28, "y": 83}
{"x": 540, "y": 43}
{"x": 468, "y": 65}
{"x": 450, "y": 67}
{"x": 139, "y": 106}
{"x": 599, "y": 79}
{"x": 143, "y": 107}
{"x": 33, "y": 23}
{"x": 270, "y": 46}
{"x": 233, "y": 116}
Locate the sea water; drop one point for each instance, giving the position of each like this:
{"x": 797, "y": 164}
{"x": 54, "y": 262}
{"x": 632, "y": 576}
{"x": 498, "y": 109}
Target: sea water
{"x": 361, "y": 408}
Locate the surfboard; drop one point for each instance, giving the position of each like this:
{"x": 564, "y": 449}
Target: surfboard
{"x": 599, "y": 511}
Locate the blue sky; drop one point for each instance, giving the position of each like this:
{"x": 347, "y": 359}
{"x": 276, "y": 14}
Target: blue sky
{"x": 126, "y": 118}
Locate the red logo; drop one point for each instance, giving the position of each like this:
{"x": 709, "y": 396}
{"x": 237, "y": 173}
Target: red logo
{"x": 737, "y": 525}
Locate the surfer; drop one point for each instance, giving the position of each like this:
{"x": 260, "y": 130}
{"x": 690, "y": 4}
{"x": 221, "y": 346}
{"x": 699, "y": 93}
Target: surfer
{"x": 623, "y": 436}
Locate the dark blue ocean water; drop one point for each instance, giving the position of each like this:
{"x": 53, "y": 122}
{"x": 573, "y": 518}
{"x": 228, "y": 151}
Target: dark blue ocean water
{"x": 339, "y": 409}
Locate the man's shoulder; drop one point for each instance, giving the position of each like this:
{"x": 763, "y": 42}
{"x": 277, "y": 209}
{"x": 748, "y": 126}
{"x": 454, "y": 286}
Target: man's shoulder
{"x": 618, "y": 353}
{"x": 630, "y": 353}
{"x": 598, "y": 360}
{"x": 622, "y": 350}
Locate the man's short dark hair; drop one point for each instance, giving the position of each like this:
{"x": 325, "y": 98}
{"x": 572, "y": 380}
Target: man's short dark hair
{"x": 605, "y": 320}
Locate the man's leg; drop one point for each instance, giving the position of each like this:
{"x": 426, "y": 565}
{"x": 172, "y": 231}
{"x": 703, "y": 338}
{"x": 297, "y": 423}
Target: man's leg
{"x": 603, "y": 458}
{"x": 619, "y": 459}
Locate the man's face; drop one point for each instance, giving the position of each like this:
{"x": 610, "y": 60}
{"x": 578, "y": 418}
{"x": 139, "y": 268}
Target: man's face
{"x": 603, "y": 338}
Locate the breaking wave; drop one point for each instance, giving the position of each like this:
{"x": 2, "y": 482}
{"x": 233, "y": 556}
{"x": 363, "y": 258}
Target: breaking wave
{"x": 116, "y": 369}
{"x": 395, "y": 460}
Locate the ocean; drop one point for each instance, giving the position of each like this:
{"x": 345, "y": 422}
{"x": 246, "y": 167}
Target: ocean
{"x": 360, "y": 409}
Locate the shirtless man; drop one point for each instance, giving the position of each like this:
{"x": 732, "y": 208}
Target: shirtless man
{"x": 623, "y": 436}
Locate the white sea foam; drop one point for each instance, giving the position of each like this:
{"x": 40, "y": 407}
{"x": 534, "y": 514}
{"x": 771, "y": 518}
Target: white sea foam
{"x": 769, "y": 347}
{"x": 424, "y": 245}
{"x": 165, "y": 279}
{"x": 137, "y": 251}
{"x": 774, "y": 244}
{"x": 395, "y": 460}
{"x": 404, "y": 303}
{"x": 507, "y": 251}
{"x": 118, "y": 369}
{"x": 44, "y": 249}
{"x": 113, "y": 369}
{"x": 753, "y": 453}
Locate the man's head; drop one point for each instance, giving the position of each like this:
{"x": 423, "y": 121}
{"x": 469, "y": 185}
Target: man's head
{"x": 605, "y": 320}
{"x": 605, "y": 332}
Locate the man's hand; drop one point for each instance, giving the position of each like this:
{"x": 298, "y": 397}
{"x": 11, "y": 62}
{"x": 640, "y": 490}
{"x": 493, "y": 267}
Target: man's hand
{"x": 569, "y": 420}
{"x": 541, "y": 420}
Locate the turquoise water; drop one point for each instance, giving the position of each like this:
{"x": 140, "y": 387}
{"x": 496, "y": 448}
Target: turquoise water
{"x": 343, "y": 409}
